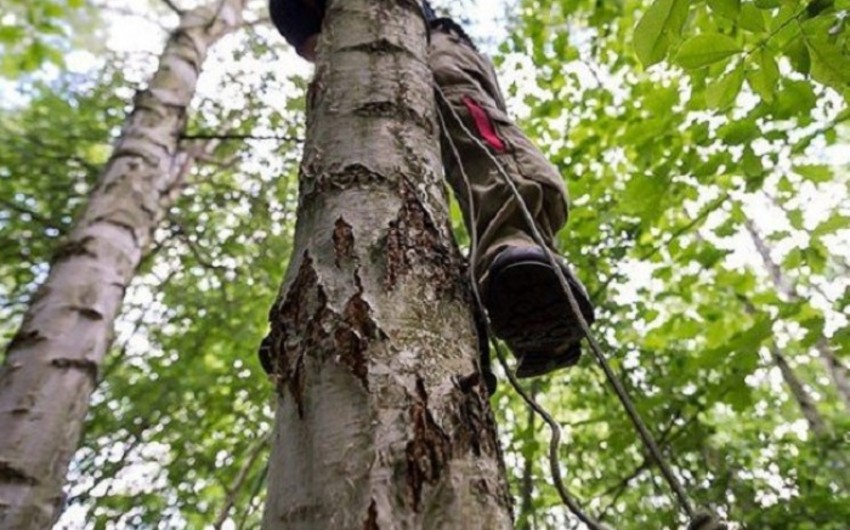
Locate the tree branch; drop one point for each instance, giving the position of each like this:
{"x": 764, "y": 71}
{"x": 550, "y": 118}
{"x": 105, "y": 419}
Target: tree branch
{"x": 21, "y": 209}
{"x": 238, "y": 484}
{"x": 172, "y": 6}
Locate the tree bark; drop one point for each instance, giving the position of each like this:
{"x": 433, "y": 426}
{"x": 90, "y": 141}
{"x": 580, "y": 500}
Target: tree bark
{"x": 52, "y": 363}
{"x": 382, "y": 419}
{"x": 834, "y": 367}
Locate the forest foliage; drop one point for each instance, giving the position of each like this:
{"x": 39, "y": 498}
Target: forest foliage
{"x": 706, "y": 149}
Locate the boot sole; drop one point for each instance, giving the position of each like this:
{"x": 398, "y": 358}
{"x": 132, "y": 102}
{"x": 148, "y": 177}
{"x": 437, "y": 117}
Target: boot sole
{"x": 531, "y": 313}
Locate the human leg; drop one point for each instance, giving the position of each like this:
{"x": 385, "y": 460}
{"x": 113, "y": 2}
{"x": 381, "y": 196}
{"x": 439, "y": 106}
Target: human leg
{"x": 481, "y": 147}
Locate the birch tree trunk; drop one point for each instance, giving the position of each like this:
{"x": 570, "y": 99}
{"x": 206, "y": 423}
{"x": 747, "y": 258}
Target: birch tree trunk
{"x": 52, "y": 364}
{"x": 382, "y": 419}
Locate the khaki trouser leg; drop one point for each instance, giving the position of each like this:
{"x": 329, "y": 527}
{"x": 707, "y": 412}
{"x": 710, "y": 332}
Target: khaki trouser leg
{"x": 469, "y": 84}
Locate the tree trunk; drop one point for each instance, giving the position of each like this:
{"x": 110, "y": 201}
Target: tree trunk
{"x": 833, "y": 365}
{"x": 801, "y": 395}
{"x": 52, "y": 364}
{"x": 382, "y": 419}
{"x": 526, "y": 519}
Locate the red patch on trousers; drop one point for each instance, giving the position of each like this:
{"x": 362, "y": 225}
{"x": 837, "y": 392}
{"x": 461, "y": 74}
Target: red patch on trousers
{"x": 484, "y": 124}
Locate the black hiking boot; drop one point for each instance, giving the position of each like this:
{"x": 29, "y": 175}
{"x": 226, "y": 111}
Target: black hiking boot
{"x": 529, "y": 310}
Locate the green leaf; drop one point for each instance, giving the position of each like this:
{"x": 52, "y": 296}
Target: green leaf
{"x": 726, "y": 8}
{"x": 763, "y": 80}
{"x": 643, "y": 196}
{"x": 722, "y": 93}
{"x": 739, "y": 132}
{"x": 709, "y": 256}
{"x": 841, "y": 341}
{"x": 751, "y": 339}
{"x": 751, "y": 19}
{"x": 816, "y": 173}
{"x": 703, "y": 50}
{"x": 798, "y": 54}
{"x": 11, "y": 34}
{"x": 753, "y": 168}
{"x": 832, "y": 225}
{"x": 815, "y": 257}
{"x": 727, "y": 229}
{"x": 795, "y": 98}
{"x": 830, "y": 61}
{"x": 768, "y": 4}
{"x": 661, "y": 24}
{"x": 795, "y": 217}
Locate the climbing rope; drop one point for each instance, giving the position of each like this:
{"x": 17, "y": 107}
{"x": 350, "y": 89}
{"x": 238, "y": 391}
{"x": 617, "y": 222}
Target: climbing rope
{"x": 555, "y": 440}
{"x": 700, "y": 520}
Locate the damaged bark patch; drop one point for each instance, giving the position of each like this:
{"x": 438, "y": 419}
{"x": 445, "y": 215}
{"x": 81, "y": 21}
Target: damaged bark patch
{"x": 74, "y": 248}
{"x": 86, "y": 366}
{"x": 380, "y": 46}
{"x": 88, "y": 312}
{"x": 474, "y": 427}
{"x": 371, "y": 522}
{"x": 352, "y": 337}
{"x": 304, "y": 325}
{"x": 343, "y": 238}
{"x": 295, "y": 328}
{"x": 339, "y": 179}
{"x": 414, "y": 243}
{"x": 9, "y": 474}
{"x": 430, "y": 450}
{"x": 25, "y": 338}
{"x": 392, "y": 110}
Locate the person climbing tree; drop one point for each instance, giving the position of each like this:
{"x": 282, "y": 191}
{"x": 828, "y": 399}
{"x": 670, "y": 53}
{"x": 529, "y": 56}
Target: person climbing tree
{"x": 482, "y": 148}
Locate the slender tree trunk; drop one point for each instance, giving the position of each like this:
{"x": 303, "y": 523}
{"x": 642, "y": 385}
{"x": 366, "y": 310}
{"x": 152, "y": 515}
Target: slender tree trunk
{"x": 52, "y": 364}
{"x": 798, "y": 391}
{"x": 834, "y": 367}
{"x": 382, "y": 420}
{"x": 526, "y": 519}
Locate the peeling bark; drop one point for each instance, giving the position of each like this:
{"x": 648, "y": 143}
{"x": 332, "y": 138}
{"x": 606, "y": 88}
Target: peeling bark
{"x": 52, "y": 364}
{"x": 382, "y": 420}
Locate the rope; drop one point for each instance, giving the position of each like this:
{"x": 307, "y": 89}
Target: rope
{"x": 698, "y": 519}
{"x": 555, "y": 439}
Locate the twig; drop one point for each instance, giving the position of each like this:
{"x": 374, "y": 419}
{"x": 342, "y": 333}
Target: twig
{"x": 21, "y": 209}
{"x": 172, "y": 6}
{"x": 258, "y": 484}
{"x": 236, "y": 488}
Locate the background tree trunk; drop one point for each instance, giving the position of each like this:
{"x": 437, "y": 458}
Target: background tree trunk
{"x": 383, "y": 420}
{"x": 52, "y": 364}
{"x": 837, "y": 371}
{"x": 801, "y": 396}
